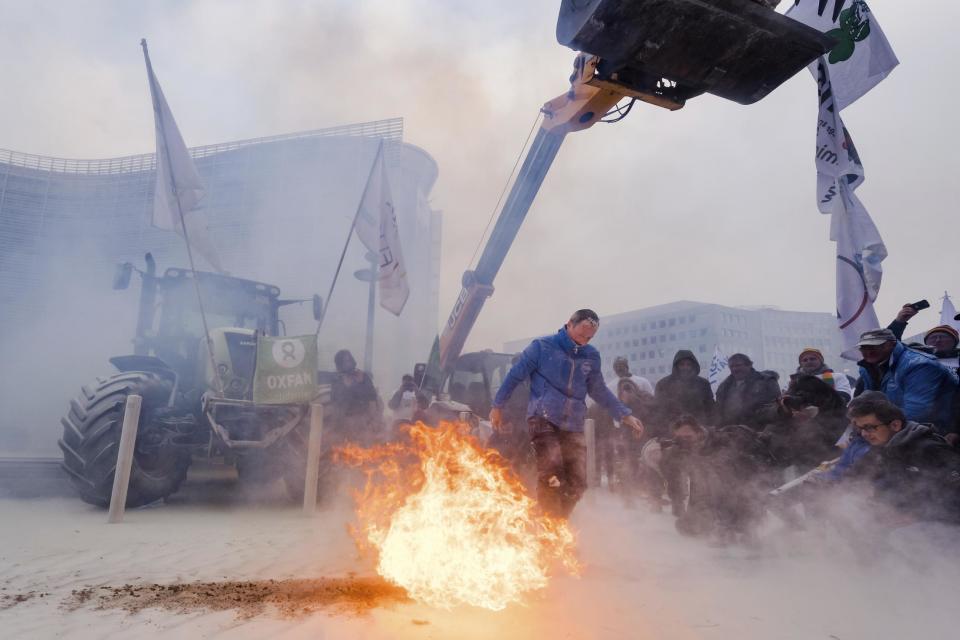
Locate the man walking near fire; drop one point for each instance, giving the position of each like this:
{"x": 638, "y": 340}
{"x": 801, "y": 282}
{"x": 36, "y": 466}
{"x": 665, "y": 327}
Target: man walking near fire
{"x": 563, "y": 369}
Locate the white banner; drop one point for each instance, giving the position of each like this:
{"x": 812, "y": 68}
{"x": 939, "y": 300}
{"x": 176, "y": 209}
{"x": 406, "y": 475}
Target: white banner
{"x": 860, "y": 250}
{"x": 377, "y": 228}
{"x": 861, "y": 58}
{"x": 836, "y": 156}
{"x": 178, "y": 189}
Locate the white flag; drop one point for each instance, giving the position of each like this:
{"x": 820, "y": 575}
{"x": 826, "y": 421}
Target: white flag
{"x": 717, "y": 366}
{"x": 948, "y": 312}
{"x": 859, "y": 248}
{"x": 377, "y": 228}
{"x": 179, "y": 189}
{"x": 836, "y": 156}
{"x": 861, "y": 58}
{"x": 859, "y": 253}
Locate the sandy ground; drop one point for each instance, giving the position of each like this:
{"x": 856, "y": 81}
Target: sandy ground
{"x": 65, "y": 573}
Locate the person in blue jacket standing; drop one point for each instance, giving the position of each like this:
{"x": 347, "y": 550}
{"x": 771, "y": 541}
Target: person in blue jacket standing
{"x": 563, "y": 369}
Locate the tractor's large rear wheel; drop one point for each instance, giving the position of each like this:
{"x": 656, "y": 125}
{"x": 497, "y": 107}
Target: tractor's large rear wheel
{"x": 91, "y": 435}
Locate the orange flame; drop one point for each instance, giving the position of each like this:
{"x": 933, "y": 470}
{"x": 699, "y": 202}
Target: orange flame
{"x": 451, "y": 523}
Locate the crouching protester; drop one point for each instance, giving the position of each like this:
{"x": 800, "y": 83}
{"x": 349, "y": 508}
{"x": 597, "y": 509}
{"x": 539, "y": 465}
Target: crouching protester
{"x": 910, "y": 472}
{"x": 804, "y": 427}
{"x": 913, "y": 472}
{"x": 716, "y": 479}
{"x": 563, "y": 369}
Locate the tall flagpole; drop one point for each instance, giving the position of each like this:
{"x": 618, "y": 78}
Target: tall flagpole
{"x": 183, "y": 225}
{"x": 353, "y": 225}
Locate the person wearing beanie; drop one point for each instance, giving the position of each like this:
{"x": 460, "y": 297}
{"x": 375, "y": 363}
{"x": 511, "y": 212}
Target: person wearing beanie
{"x": 811, "y": 363}
{"x": 944, "y": 340}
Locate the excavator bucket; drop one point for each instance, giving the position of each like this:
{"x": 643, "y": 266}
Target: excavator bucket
{"x": 740, "y": 50}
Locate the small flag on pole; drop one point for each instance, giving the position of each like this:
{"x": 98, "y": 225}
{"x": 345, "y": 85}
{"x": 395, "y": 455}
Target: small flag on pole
{"x": 178, "y": 189}
{"x": 377, "y": 228}
{"x": 717, "y": 368}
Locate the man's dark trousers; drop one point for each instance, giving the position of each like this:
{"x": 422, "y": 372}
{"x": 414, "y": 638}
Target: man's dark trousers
{"x": 561, "y": 466}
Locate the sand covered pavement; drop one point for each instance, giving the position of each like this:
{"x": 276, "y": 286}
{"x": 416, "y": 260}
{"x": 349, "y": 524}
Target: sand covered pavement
{"x": 254, "y": 570}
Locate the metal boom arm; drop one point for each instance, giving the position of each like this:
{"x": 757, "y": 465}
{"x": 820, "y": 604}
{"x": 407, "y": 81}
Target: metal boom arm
{"x": 579, "y": 108}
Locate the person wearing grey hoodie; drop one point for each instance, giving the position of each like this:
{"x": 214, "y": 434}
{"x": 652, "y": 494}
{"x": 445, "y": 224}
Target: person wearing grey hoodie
{"x": 684, "y": 392}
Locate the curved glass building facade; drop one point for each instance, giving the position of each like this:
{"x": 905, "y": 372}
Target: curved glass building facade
{"x": 279, "y": 211}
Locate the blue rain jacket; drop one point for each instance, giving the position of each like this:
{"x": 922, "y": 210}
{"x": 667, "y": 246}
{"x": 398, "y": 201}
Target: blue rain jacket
{"x": 918, "y": 384}
{"x": 561, "y": 374}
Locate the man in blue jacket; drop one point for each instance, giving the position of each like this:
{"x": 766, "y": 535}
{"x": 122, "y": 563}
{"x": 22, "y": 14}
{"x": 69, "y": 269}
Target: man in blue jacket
{"x": 563, "y": 369}
{"x": 912, "y": 380}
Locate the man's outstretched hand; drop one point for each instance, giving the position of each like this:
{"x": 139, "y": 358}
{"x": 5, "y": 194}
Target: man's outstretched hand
{"x": 634, "y": 423}
{"x": 496, "y": 419}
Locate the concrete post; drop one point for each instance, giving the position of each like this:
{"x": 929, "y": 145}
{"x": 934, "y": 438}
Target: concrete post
{"x": 313, "y": 459}
{"x": 121, "y": 476}
{"x": 590, "y": 433}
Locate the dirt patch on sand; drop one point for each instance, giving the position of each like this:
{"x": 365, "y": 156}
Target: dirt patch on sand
{"x": 8, "y": 600}
{"x": 286, "y": 598}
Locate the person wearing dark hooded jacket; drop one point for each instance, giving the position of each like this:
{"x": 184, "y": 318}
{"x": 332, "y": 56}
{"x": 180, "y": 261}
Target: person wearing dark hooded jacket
{"x": 684, "y": 392}
{"x": 912, "y": 469}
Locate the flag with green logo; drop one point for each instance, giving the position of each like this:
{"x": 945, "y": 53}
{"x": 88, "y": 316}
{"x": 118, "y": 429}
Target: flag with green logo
{"x": 286, "y": 370}
{"x": 861, "y": 57}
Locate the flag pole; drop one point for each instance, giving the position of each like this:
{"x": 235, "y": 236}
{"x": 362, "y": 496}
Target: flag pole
{"x": 183, "y": 224}
{"x": 353, "y": 225}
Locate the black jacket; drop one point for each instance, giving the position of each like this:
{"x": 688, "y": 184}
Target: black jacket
{"x": 805, "y": 440}
{"x": 676, "y": 395}
{"x": 759, "y": 391}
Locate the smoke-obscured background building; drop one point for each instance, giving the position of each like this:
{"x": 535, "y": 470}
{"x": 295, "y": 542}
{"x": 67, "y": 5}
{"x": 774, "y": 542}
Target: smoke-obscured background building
{"x": 279, "y": 211}
{"x": 773, "y": 338}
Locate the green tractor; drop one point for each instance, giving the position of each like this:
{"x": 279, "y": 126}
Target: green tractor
{"x": 193, "y": 404}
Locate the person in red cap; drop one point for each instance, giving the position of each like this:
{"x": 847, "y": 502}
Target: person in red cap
{"x": 812, "y": 364}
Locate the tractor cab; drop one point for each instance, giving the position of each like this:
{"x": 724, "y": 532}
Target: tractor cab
{"x": 170, "y": 327}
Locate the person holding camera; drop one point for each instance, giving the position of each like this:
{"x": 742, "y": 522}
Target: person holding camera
{"x": 407, "y": 399}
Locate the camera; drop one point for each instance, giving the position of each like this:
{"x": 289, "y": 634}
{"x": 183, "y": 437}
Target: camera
{"x": 794, "y": 403}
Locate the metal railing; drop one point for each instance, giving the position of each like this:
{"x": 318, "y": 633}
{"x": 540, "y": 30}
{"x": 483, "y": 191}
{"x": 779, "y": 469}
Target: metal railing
{"x": 391, "y": 129}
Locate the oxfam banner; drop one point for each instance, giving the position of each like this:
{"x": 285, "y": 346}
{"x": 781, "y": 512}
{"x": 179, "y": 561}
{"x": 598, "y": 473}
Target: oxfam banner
{"x": 286, "y": 370}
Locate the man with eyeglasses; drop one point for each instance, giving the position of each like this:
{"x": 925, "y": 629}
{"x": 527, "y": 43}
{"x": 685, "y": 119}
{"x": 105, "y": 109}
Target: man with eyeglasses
{"x": 912, "y": 469}
{"x": 563, "y": 369}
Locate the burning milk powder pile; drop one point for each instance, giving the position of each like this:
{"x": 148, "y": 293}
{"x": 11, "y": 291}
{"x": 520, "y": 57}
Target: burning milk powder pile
{"x": 451, "y": 523}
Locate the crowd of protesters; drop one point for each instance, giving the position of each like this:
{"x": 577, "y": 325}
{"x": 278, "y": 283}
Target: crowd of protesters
{"x": 725, "y": 459}
{"x": 759, "y": 445}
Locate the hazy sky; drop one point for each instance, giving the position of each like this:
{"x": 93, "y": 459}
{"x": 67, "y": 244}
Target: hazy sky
{"x": 712, "y": 203}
